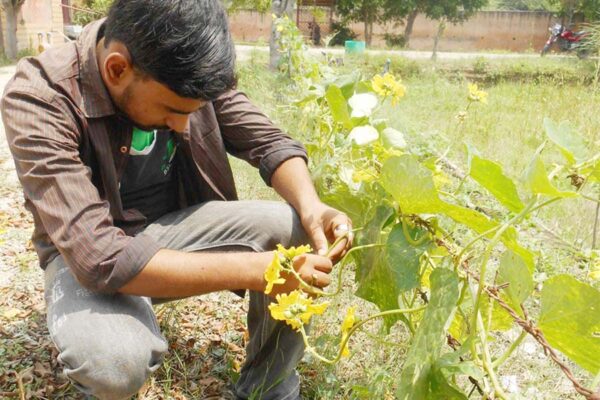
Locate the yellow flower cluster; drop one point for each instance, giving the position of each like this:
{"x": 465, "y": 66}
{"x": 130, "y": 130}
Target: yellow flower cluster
{"x": 477, "y": 95}
{"x": 282, "y": 258}
{"x": 388, "y": 86}
{"x": 296, "y": 309}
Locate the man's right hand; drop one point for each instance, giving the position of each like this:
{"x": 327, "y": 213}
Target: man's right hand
{"x": 312, "y": 268}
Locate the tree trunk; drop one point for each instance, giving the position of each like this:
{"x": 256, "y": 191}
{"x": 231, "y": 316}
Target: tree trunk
{"x": 410, "y": 22}
{"x": 11, "y": 28}
{"x": 278, "y": 8}
{"x": 2, "y": 48}
{"x": 438, "y": 36}
{"x": 366, "y": 22}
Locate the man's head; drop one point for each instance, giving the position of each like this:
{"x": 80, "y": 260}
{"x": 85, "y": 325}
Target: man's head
{"x": 163, "y": 59}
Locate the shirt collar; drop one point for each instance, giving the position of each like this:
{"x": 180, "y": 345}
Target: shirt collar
{"x": 96, "y": 99}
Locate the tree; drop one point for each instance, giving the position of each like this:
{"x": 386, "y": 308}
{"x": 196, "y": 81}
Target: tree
{"x": 91, "y": 10}
{"x": 451, "y": 11}
{"x": 366, "y": 11}
{"x": 12, "y": 8}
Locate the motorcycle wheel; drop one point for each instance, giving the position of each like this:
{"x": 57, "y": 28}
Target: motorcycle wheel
{"x": 583, "y": 54}
{"x": 545, "y": 50}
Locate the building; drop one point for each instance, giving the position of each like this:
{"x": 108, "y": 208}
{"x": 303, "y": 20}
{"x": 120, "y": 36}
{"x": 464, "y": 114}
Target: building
{"x": 40, "y": 22}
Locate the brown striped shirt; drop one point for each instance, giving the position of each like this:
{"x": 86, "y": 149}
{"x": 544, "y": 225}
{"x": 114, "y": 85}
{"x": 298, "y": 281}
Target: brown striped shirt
{"x": 70, "y": 148}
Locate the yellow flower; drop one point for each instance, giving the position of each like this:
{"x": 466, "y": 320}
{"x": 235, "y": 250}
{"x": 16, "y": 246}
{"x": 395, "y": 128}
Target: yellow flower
{"x": 273, "y": 273}
{"x": 347, "y": 324}
{"x": 295, "y": 308}
{"x": 477, "y": 95}
{"x": 387, "y": 85}
{"x": 292, "y": 252}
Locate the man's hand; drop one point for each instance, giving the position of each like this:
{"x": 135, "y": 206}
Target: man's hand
{"x": 325, "y": 225}
{"x": 312, "y": 268}
{"x": 322, "y": 223}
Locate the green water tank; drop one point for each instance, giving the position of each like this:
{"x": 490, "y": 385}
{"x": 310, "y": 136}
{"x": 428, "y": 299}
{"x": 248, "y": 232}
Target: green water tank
{"x": 354, "y": 47}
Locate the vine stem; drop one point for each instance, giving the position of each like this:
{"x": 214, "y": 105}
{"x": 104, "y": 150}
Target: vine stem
{"x": 354, "y": 328}
{"x": 590, "y": 198}
{"x": 488, "y": 252}
{"x": 487, "y": 359}
{"x": 409, "y": 239}
{"x": 499, "y": 361}
{"x": 312, "y": 290}
{"x": 595, "y": 231}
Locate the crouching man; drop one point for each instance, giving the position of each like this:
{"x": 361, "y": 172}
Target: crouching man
{"x": 120, "y": 143}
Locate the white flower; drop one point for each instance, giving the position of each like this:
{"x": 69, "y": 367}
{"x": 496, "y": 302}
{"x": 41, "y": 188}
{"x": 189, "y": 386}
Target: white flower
{"x": 345, "y": 175}
{"x": 394, "y": 138}
{"x": 364, "y": 135}
{"x": 362, "y": 104}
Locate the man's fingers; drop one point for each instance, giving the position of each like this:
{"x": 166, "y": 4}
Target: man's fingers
{"x": 320, "y": 241}
{"x": 338, "y": 250}
{"x": 319, "y": 263}
{"x": 318, "y": 279}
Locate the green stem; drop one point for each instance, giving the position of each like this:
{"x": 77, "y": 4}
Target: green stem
{"x": 590, "y": 198}
{"x": 409, "y": 239}
{"x": 511, "y": 349}
{"x": 488, "y": 252}
{"x": 544, "y": 204}
{"x": 487, "y": 360}
{"x": 596, "y": 381}
{"x": 311, "y": 289}
{"x": 472, "y": 242}
{"x": 354, "y": 328}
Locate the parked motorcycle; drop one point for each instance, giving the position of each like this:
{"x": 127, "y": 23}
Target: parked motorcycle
{"x": 567, "y": 40}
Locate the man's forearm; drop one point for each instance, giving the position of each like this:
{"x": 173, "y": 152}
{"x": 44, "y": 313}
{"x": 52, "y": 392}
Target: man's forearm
{"x": 171, "y": 273}
{"x": 292, "y": 181}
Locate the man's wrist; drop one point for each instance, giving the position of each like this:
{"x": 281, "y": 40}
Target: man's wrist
{"x": 257, "y": 276}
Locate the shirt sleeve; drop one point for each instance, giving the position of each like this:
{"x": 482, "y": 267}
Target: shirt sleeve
{"x": 250, "y": 135}
{"x": 44, "y": 140}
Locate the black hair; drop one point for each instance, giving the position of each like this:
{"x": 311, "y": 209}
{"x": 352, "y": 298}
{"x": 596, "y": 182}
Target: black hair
{"x": 183, "y": 44}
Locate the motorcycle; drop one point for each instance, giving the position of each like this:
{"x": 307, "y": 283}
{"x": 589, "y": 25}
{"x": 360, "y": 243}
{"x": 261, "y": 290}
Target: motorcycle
{"x": 567, "y": 40}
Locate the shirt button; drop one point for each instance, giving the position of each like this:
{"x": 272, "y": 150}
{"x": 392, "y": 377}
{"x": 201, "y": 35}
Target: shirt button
{"x": 124, "y": 149}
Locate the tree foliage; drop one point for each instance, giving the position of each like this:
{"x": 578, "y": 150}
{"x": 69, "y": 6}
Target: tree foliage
{"x": 454, "y": 11}
{"x": 366, "y": 11}
{"x": 90, "y": 10}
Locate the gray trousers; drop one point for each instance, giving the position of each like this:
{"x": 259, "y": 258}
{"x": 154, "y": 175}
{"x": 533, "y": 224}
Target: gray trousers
{"x": 110, "y": 344}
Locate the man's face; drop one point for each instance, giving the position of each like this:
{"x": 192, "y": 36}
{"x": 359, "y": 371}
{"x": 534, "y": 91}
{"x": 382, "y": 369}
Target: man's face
{"x": 152, "y": 105}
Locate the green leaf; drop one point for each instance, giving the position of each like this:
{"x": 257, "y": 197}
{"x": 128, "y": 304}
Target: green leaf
{"x": 571, "y": 145}
{"x": 403, "y": 259}
{"x": 373, "y": 273}
{"x": 498, "y": 318}
{"x": 538, "y": 182}
{"x": 490, "y": 175}
{"x": 430, "y": 336}
{"x": 519, "y": 276}
{"x": 570, "y": 320}
{"x": 411, "y": 185}
{"x": 338, "y": 105}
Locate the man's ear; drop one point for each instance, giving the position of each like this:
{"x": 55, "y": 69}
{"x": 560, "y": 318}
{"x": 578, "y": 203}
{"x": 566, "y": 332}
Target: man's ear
{"x": 118, "y": 68}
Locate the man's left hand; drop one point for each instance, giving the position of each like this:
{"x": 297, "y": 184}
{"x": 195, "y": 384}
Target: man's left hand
{"x": 325, "y": 225}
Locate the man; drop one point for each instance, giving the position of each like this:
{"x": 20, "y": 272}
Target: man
{"x": 120, "y": 144}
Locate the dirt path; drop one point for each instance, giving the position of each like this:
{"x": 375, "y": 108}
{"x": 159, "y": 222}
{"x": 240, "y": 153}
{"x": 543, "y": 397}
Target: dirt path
{"x": 244, "y": 51}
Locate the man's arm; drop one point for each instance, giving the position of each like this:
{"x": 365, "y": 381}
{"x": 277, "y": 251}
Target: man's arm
{"x": 250, "y": 135}
{"x": 171, "y": 273}
{"x": 322, "y": 223}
